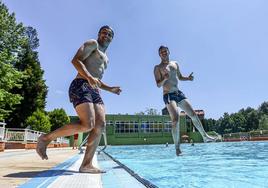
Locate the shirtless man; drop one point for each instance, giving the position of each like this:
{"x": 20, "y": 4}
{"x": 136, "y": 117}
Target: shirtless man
{"x": 167, "y": 74}
{"x": 90, "y": 61}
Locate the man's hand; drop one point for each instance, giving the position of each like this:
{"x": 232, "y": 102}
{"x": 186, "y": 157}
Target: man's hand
{"x": 166, "y": 76}
{"x": 116, "y": 90}
{"x": 94, "y": 82}
{"x": 191, "y": 77}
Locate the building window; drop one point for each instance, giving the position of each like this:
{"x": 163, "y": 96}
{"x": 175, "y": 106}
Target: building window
{"x": 144, "y": 126}
{"x": 167, "y": 126}
{"x": 109, "y": 123}
{"x": 151, "y": 126}
{"x": 126, "y": 127}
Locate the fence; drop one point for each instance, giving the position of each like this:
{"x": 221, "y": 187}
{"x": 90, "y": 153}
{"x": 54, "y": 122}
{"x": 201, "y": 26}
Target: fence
{"x": 244, "y": 136}
{"x": 2, "y": 131}
{"x": 27, "y": 135}
{"x": 240, "y": 136}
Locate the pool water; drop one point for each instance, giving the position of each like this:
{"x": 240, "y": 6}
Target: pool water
{"x": 225, "y": 164}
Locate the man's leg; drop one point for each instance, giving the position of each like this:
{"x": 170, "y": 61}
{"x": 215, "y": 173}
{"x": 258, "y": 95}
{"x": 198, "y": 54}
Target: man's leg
{"x": 185, "y": 106}
{"x": 93, "y": 141}
{"x": 75, "y": 142}
{"x": 174, "y": 115}
{"x": 86, "y": 114}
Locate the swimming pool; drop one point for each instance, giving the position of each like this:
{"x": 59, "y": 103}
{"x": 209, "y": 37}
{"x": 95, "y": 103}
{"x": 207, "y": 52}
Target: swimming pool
{"x": 226, "y": 164}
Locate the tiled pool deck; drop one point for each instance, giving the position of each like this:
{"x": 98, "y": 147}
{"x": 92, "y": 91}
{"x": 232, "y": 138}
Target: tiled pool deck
{"x": 65, "y": 174}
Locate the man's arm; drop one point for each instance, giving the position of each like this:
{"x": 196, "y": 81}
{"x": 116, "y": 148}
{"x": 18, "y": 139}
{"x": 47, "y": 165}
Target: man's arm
{"x": 115, "y": 89}
{"x": 83, "y": 52}
{"x": 158, "y": 78}
{"x": 183, "y": 78}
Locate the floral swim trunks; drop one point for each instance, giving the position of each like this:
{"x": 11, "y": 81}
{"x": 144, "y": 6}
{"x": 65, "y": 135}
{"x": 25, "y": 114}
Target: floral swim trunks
{"x": 81, "y": 92}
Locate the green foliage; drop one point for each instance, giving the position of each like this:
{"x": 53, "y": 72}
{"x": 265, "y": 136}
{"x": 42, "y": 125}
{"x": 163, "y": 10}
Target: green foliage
{"x": 9, "y": 79}
{"x": 39, "y": 121}
{"x": 139, "y": 113}
{"x": 245, "y": 120}
{"x": 263, "y": 122}
{"x": 210, "y": 124}
{"x": 148, "y": 111}
{"x": 11, "y": 42}
{"x": 263, "y": 109}
{"x": 238, "y": 122}
{"x": 58, "y": 118}
{"x": 33, "y": 90}
{"x": 252, "y": 118}
{"x": 23, "y": 88}
{"x": 151, "y": 111}
{"x": 11, "y": 36}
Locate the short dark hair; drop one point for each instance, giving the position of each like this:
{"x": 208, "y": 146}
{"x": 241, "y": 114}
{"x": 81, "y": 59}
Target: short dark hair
{"x": 107, "y": 27}
{"x": 161, "y": 47}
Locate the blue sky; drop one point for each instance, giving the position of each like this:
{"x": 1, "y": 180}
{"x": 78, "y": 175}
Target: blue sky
{"x": 223, "y": 42}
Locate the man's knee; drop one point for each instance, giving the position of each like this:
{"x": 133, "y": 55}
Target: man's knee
{"x": 100, "y": 124}
{"x": 175, "y": 119}
{"x": 87, "y": 125}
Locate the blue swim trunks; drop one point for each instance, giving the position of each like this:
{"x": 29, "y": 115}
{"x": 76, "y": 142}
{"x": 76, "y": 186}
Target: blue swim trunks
{"x": 81, "y": 92}
{"x": 177, "y": 96}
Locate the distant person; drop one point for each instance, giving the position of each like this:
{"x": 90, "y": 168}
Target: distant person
{"x": 167, "y": 74}
{"x": 192, "y": 142}
{"x": 90, "y": 61}
{"x": 167, "y": 144}
{"x": 75, "y": 141}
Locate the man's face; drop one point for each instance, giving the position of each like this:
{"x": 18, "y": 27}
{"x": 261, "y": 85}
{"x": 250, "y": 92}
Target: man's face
{"x": 164, "y": 53}
{"x": 105, "y": 36}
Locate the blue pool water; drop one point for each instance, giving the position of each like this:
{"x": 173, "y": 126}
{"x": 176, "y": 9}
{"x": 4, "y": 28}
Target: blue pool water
{"x": 219, "y": 165}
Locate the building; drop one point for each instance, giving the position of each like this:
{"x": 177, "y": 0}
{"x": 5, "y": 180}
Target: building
{"x": 146, "y": 129}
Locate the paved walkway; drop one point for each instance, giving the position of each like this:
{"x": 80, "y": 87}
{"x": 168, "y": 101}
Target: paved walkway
{"x": 23, "y": 168}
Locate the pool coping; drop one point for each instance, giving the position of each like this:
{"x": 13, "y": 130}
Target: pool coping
{"x": 145, "y": 182}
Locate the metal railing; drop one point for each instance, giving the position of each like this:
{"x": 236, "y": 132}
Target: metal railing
{"x": 242, "y": 136}
{"x": 218, "y": 135}
{"x": 27, "y": 135}
{"x": 62, "y": 140}
{"x": 2, "y": 131}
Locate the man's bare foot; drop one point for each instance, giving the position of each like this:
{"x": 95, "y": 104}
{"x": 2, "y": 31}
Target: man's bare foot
{"x": 178, "y": 151}
{"x": 41, "y": 147}
{"x": 91, "y": 170}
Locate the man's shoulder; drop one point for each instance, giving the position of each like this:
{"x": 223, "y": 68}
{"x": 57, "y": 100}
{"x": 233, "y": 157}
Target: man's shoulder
{"x": 91, "y": 43}
{"x": 157, "y": 66}
{"x": 173, "y": 62}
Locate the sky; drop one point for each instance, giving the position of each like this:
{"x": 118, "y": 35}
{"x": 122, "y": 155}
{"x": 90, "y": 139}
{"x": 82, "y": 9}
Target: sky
{"x": 223, "y": 42}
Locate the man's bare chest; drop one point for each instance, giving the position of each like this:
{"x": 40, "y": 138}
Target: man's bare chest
{"x": 97, "y": 58}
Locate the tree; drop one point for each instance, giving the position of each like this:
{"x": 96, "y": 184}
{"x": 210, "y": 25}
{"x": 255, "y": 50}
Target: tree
{"x": 211, "y": 124}
{"x": 34, "y": 89}
{"x": 252, "y": 120}
{"x": 140, "y": 113}
{"x": 263, "y": 122}
{"x": 12, "y": 40}
{"x": 9, "y": 79}
{"x": 58, "y": 118}
{"x": 151, "y": 111}
{"x": 251, "y": 116}
{"x": 238, "y": 122}
{"x": 225, "y": 124}
{"x": 148, "y": 111}
{"x": 263, "y": 109}
{"x": 39, "y": 121}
